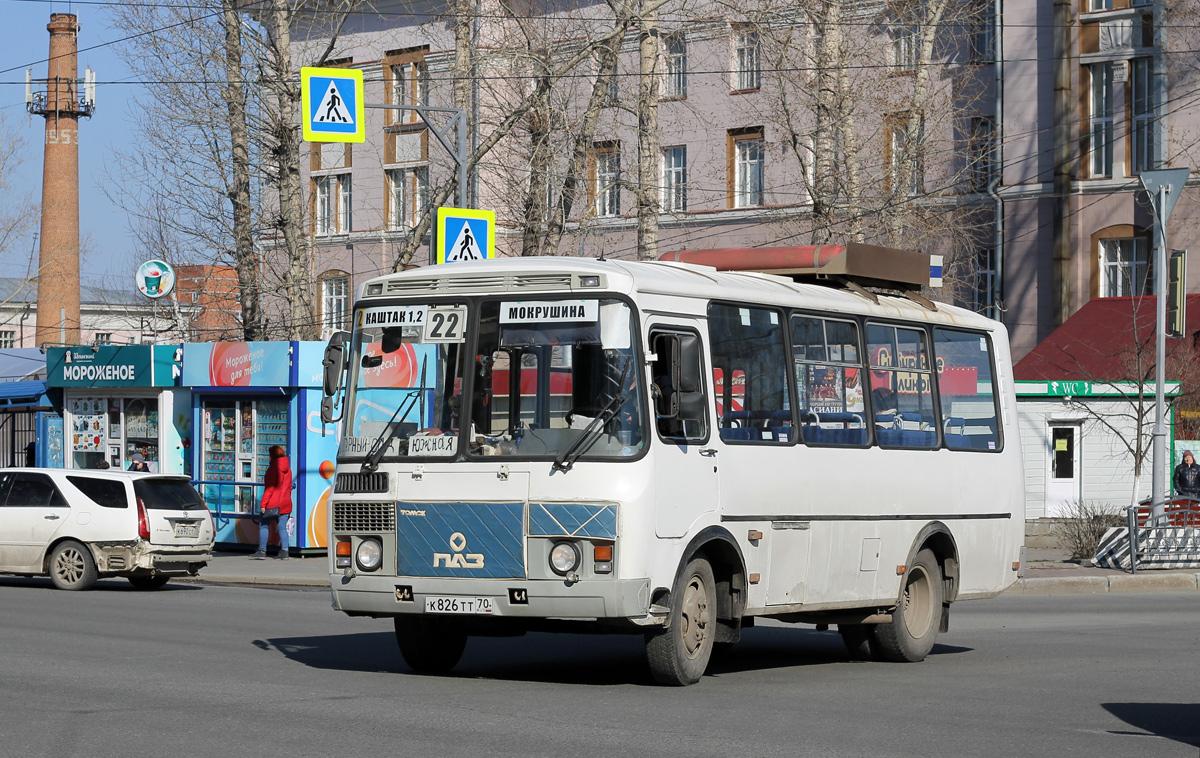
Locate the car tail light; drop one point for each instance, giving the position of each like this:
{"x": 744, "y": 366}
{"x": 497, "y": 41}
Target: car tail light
{"x": 143, "y": 522}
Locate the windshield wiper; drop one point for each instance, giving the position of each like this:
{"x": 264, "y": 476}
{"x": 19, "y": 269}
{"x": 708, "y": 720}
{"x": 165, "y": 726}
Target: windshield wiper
{"x": 566, "y": 459}
{"x": 385, "y": 437}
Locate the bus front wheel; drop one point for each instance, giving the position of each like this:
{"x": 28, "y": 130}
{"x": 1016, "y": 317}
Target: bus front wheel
{"x": 916, "y": 620}
{"x": 679, "y": 654}
{"x": 429, "y": 646}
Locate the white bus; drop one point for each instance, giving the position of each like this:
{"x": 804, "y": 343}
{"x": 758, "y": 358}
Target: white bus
{"x": 666, "y": 449}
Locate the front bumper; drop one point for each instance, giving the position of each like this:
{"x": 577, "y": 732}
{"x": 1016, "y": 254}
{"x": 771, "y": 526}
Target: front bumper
{"x": 627, "y": 599}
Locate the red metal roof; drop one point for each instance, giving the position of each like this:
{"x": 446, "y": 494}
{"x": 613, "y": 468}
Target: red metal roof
{"x": 1111, "y": 339}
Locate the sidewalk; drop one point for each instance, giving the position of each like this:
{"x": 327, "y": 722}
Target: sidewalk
{"x": 1047, "y": 572}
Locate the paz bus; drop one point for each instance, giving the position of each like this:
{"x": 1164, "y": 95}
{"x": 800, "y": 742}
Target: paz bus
{"x": 669, "y": 449}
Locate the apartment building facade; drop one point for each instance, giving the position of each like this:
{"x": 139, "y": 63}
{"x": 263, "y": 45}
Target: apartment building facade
{"x": 748, "y": 152}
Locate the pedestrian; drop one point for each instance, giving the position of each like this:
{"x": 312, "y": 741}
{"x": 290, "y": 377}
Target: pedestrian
{"x": 138, "y": 463}
{"x": 276, "y": 504}
{"x": 1187, "y": 477}
{"x": 102, "y": 464}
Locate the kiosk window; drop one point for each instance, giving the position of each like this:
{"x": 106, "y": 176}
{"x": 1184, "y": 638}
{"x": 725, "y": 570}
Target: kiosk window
{"x": 750, "y": 374}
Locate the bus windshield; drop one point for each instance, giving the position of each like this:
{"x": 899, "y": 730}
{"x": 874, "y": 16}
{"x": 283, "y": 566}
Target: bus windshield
{"x": 405, "y": 381}
{"x": 558, "y": 379}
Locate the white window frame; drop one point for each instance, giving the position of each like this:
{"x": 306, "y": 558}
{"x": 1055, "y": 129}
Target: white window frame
{"x": 1100, "y": 5}
{"x": 983, "y": 41}
{"x": 408, "y": 189}
{"x": 914, "y": 183}
{"x": 334, "y": 202}
{"x": 674, "y": 179}
{"x": 335, "y": 303}
{"x": 983, "y": 147}
{"x": 905, "y": 43}
{"x": 607, "y": 187}
{"x": 749, "y": 165}
{"x": 675, "y": 78}
{"x": 1100, "y": 98}
{"x": 985, "y": 283}
{"x": 1141, "y": 85}
{"x": 1124, "y": 264}
{"x": 8, "y": 338}
{"x": 747, "y": 66}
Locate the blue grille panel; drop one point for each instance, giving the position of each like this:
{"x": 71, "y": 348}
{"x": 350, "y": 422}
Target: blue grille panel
{"x": 573, "y": 520}
{"x": 463, "y": 540}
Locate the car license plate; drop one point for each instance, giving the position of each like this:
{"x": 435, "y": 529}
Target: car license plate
{"x": 443, "y": 604}
{"x": 187, "y": 530}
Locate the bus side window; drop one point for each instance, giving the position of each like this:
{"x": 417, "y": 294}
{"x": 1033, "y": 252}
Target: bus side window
{"x": 825, "y": 355}
{"x": 677, "y": 391}
{"x": 965, "y": 382}
{"x": 750, "y": 369}
{"x": 901, "y": 387}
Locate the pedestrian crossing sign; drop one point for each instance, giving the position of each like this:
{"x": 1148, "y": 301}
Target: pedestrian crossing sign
{"x": 331, "y": 100}
{"x": 465, "y": 235}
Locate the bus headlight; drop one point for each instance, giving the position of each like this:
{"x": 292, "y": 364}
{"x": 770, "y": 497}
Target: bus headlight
{"x": 564, "y": 558}
{"x": 369, "y": 555}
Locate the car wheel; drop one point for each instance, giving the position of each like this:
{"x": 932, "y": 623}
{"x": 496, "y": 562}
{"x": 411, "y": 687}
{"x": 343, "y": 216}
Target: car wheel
{"x": 915, "y": 622}
{"x": 144, "y": 582}
{"x": 72, "y": 567}
{"x": 679, "y": 654}
{"x": 429, "y": 646}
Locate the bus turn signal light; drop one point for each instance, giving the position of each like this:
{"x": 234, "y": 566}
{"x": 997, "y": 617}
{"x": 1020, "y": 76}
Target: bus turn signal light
{"x": 602, "y": 553}
{"x": 343, "y": 553}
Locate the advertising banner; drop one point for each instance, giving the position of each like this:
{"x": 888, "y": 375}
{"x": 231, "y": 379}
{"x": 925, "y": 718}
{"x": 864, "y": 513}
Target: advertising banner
{"x": 237, "y": 364}
{"x": 111, "y": 366}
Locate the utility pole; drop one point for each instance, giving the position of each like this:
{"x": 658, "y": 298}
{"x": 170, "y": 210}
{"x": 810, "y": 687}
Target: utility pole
{"x": 1164, "y": 187}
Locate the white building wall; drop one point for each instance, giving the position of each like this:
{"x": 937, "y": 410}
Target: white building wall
{"x": 1106, "y": 467}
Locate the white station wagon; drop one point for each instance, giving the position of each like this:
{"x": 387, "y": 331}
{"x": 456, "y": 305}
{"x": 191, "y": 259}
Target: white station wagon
{"x": 80, "y": 525}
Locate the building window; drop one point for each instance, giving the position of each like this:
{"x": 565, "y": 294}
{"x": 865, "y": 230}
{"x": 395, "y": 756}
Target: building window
{"x": 8, "y": 338}
{"x": 333, "y": 202}
{"x": 406, "y": 82}
{"x": 612, "y": 89}
{"x": 903, "y": 155}
{"x": 674, "y": 179}
{"x": 983, "y": 156}
{"x": 984, "y": 36}
{"x": 1125, "y": 265}
{"x": 985, "y": 283}
{"x": 675, "y": 80}
{"x": 1101, "y": 103}
{"x": 408, "y": 193}
{"x": 606, "y": 179}
{"x": 906, "y": 45}
{"x": 100, "y": 338}
{"x": 747, "y": 159}
{"x": 335, "y": 302}
{"x": 1143, "y": 115}
{"x": 1100, "y": 5}
{"x": 747, "y": 71}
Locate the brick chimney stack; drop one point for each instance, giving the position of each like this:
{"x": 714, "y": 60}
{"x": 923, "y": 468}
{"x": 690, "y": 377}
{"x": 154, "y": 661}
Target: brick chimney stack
{"x": 62, "y": 101}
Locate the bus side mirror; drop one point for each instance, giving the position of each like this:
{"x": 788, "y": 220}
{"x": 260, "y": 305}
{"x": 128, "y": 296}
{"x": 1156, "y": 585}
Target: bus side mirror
{"x": 688, "y": 362}
{"x": 334, "y": 364}
{"x": 677, "y": 384}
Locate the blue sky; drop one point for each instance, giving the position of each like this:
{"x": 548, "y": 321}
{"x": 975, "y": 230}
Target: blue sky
{"x": 109, "y": 253}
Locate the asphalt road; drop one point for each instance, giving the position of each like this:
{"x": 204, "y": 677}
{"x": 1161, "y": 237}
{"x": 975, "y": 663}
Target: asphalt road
{"x": 231, "y": 671}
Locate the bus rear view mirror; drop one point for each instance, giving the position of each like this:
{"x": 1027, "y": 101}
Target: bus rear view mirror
{"x": 334, "y": 364}
{"x": 687, "y": 362}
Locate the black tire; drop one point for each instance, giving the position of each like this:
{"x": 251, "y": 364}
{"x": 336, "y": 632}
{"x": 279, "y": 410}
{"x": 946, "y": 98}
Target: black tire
{"x": 860, "y": 641}
{"x": 429, "y": 646}
{"x": 679, "y": 654}
{"x": 143, "y": 582}
{"x": 72, "y": 567}
{"x": 917, "y": 618}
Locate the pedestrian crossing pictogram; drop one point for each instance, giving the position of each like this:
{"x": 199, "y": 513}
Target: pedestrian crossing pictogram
{"x": 465, "y": 235}
{"x": 332, "y": 104}
{"x": 332, "y": 109}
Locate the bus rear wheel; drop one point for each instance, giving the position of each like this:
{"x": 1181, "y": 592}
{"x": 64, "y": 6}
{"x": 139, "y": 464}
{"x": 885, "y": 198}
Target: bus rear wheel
{"x": 916, "y": 620}
{"x": 679, "y": 654}
{"x": 429, "y": 646}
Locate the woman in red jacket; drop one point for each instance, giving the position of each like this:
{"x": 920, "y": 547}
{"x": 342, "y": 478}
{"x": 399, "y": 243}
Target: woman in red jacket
{"x": 276, "y": 494}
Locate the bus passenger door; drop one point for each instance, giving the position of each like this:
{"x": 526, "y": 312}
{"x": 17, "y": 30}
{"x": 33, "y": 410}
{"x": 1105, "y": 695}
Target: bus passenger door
{"x": 684, "y": 460}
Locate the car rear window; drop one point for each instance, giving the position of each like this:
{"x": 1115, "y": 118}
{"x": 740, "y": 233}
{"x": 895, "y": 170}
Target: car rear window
{"x": 107, "y": 493}
{"x": 168, "y": 495}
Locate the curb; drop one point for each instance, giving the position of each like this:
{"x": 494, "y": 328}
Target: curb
{"x": 258, "y": 581}
{"x": 1093, "y": 585}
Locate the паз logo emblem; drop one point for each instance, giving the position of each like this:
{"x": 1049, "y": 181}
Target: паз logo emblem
{"x": 458, "y": 543}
